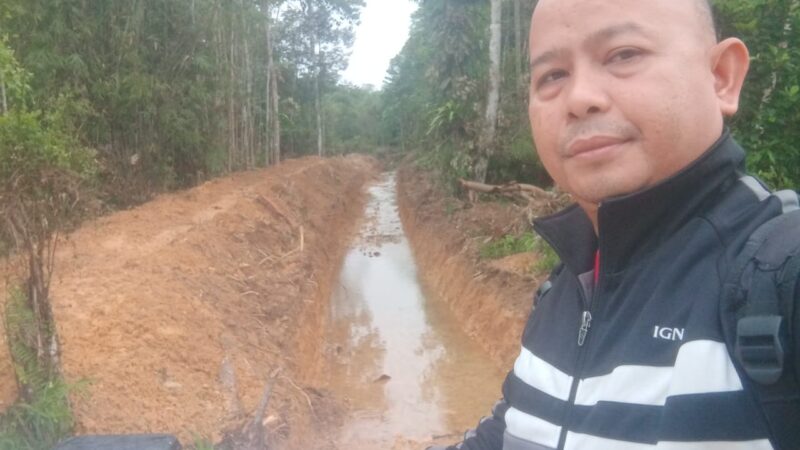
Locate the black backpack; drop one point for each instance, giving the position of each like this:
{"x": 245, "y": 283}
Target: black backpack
{"x": 757, "y": 313}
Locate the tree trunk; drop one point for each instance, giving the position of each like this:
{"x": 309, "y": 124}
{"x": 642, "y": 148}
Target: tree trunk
{"x": 276, "y": 116}
{"x": 518, "y": 54}
{"x": 267, "y": 85}
{"x": 231, "y": 113}
{"x": 273, "y": 122}
{"x": 4, "y": 104}
{"x": 486, "y": 142}
{"x": 248, "y": 118}
{"x": 318, "y": 99}
{"x": 318, "y": 107}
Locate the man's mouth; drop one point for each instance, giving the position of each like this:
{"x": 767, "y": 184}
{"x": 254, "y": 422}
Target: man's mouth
{"x": 594, "y": 145}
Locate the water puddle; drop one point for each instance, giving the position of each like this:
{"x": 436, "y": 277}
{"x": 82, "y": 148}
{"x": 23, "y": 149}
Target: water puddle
{"x": 401, "y": 360}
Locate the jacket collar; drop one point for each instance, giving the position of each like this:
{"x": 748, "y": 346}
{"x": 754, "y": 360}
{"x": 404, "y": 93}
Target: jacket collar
{"x": 632, "y": 224}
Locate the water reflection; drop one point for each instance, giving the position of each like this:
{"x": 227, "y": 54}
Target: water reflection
{"x": 401, "y": 360}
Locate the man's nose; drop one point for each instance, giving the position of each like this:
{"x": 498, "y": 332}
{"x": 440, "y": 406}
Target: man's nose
{"x": 585, "y": 94}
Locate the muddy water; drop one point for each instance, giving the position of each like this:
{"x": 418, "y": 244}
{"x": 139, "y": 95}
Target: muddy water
{"x": 399, "y": 358}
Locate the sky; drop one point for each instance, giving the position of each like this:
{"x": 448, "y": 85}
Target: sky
{"x": 379, "y": 38}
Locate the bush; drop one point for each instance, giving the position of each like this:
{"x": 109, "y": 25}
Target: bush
{"x": 39, "y": 422}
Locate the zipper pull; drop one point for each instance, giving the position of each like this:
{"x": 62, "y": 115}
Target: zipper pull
{"x": 586, "y": 322}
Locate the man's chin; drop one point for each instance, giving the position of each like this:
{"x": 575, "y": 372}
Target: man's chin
{"x": 599, "y": 192}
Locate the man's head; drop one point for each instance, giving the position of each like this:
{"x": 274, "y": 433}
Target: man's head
{"x": 625, "y": 93}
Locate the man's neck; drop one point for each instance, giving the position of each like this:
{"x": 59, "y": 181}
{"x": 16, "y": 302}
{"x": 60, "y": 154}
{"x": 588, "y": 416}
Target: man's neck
{"x": 591, "y": 210}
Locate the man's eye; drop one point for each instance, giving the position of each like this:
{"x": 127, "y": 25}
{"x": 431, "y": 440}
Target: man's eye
{"x": 551, "y": 76}
{"x": 623, "y": 55}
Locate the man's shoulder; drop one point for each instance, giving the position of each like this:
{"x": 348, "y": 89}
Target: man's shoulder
{"x": 744, "y": 206}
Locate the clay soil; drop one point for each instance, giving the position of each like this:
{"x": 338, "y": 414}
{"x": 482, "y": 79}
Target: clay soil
{"x": 176, "y": 312}
{"x": 491, "y": 298}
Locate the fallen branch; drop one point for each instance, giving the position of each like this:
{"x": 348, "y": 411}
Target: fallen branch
{"x": 275, "y": 210}
{"x": 253, "y": 434}
{"x": 512, "y": 187}
{"x": 539, "y": 201}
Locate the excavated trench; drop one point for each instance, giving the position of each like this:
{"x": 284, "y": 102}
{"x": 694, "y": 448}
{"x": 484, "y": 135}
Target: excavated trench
{"x": 178, "y": 310}
{"x": 398, "y": 357}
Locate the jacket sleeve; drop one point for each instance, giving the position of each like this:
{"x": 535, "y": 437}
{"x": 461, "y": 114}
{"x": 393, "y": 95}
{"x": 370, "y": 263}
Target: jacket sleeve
{"x": 795, "y": 328}
{"x": 488, "y": 435}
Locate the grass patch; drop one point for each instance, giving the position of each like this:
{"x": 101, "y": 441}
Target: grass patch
{"x": 511, "y": 244}
{"x": 450, "y": 207}
{"x": 201, "y": 442}
{"x": 44, "y": 418}
{"x": 508, "y": 245}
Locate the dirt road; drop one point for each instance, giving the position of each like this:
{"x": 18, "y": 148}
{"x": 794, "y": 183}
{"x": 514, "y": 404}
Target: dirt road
{"x": 177, "y": 311}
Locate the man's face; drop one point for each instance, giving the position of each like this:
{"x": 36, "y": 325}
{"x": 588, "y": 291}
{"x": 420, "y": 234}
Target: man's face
{"x": 622, "y": 92}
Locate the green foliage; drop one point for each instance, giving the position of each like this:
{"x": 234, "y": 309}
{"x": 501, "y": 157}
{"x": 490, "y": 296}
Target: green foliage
{"x": 547, "y": 259}
{"x": 40, "y": 424}
{"x": 451, "y": 163}
{"x": 45, "y": 418}
{"x": 450, "y": 206}
{"x": 28, "y": 148}
{"x": 14, "y": 78}
{"x": 201, "y": 442}
{"x": 174, "y": 91}
{"x": 518, "y": 162}
{"x": 768, "y": 122}
{"x": 508, "y": 245}
{"x": 435, "y": 95}
{"x": 352, "y": 120}
{"x": 436, "y": 88}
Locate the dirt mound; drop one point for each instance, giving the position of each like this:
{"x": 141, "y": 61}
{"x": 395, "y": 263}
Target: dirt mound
{"x": 177, "y": 311}
{"x": 491, "y": 299}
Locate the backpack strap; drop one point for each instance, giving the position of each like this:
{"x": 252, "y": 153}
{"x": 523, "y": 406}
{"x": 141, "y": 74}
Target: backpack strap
{"x": 763, "y": 331}
{"x": 757, "y": 315}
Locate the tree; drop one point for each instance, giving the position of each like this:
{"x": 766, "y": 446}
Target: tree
{"x": 437, "y": 94}
{"x": 318, "y": 33}
{"x": 486, "y": 146}
{"x": 272, "y": 153}
{"x": 42, "y": 167}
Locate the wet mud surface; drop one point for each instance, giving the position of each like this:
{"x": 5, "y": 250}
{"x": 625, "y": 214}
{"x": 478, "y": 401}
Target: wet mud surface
{"x": 399, "y": 358}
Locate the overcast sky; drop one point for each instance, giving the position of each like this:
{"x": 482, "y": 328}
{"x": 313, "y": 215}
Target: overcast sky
{"x": 379, "y": 37}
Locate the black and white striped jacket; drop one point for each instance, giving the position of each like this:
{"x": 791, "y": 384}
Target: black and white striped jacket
{"x": 650, "y": 368}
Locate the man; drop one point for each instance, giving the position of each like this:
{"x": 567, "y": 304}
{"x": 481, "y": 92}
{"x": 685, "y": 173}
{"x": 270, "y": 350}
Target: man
{"x": 625, "y": 349}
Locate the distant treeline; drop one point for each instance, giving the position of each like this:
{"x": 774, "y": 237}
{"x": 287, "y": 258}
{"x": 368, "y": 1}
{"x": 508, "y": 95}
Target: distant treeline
{"x": 162, "y": 94}
{"x": 438, "y": 88}
{"x": 141, "y": 96}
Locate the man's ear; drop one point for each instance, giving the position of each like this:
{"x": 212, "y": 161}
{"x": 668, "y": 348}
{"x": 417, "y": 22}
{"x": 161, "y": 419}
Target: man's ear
{"x": 730, "y": 61}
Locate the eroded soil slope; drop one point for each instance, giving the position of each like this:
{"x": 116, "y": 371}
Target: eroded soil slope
{"x": 491, "y": 299}
{"x": 177, "y": 311}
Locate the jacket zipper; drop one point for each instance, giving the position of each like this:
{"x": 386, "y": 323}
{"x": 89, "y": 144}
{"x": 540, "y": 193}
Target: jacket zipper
{"x": 586, "y": 322}
{"x": 583, "y": 333}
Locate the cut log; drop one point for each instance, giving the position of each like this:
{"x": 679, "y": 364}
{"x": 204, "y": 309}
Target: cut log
{"x": 512, "y": 187}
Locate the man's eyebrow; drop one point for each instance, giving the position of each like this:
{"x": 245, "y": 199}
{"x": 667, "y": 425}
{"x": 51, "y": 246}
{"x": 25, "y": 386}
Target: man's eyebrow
{"x": 598, "y": 36}
{"x": 546, "y": 57}
{"x": 615, "y": 30}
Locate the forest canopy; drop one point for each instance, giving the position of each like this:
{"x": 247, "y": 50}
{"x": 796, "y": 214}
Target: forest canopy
{"x": 158, "y": 95}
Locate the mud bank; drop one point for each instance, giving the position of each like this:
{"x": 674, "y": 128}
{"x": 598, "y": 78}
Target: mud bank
{"x": 490, "y": 300}
{"x": 177, "y": 311}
